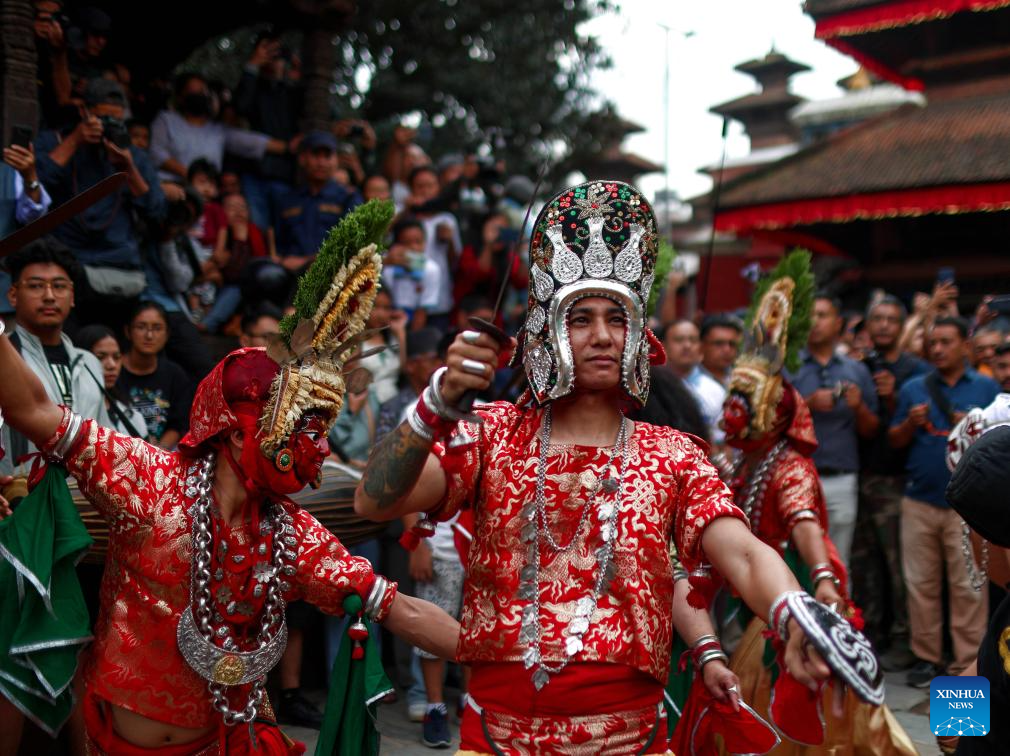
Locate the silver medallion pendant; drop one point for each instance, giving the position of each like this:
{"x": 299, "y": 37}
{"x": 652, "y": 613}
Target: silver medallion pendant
{"x": 222, "y": 666}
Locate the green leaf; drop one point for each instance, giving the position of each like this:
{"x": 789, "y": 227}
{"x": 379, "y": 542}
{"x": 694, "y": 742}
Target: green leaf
{"x": 664, "y": 261}
{"x": 362, "y": 226}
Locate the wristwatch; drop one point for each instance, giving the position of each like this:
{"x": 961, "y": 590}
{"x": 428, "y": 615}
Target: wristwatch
{"x": 33, "y": 185}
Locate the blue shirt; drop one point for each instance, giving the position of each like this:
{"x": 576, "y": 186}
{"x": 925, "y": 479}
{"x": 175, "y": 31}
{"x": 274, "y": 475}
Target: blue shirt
{"x": 927, "y": 466}
{"x": 838, "y": 444}
{"x": 304, "y": 218}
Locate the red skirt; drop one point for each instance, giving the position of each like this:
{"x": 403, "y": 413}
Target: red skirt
{"x": 593, "y": 708}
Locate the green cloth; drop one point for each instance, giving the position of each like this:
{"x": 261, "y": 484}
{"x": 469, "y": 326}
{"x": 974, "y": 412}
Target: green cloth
{"x": 44, "y": 621}
{"x": 356, "y": 685}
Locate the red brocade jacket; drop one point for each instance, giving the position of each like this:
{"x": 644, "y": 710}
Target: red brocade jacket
{"x": 145, "y": 497}
{"x": 792, "y": 495}
{"x": 670, "y": 491}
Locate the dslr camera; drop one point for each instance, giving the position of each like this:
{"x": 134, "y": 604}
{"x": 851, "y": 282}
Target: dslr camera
{"x": 114, "y": 129}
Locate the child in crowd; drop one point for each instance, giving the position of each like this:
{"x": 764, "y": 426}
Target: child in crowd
{"x": 410, "y": 275}
{"x": 238, "y": 243}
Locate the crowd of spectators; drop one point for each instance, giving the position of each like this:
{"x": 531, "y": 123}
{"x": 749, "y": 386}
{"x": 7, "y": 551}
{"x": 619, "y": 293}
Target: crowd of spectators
{"x": 125, "y": 308}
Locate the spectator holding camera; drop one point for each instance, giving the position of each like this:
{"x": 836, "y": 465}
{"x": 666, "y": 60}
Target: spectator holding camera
{"x": 843, "y": 401}
{"x": 271, "y": 101}
{"x": 928, "y": 407}
{"x": 308, "y": 213}
{"x": 879, "y": 585}
{"x": 55, "y": 86}
{"x": 102, "y": 237}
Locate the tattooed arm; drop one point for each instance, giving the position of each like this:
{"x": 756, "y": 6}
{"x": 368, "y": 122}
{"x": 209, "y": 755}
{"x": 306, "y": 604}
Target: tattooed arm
{"x": 402, "y": 474}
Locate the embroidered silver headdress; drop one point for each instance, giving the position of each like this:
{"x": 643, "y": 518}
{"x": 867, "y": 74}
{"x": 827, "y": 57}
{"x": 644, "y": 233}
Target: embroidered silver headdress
{"x": 596, "y": 239}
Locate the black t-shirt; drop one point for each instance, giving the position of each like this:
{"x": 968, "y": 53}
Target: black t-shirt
{"x": 163, "y": 397}
{"x": 877, "y": 455}
{"x": 59, "y": 366}
{"x": 993, "y": 659}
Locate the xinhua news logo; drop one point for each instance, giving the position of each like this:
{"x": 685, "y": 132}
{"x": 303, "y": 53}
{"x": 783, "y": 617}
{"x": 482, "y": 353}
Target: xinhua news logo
{"x": 959, "y": 706}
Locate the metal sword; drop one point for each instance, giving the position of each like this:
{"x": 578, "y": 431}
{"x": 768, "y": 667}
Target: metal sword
{"x": 484, "y": 326}
{"x": 73, "y": 206}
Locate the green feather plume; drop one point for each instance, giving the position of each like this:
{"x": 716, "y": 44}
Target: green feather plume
{"x": 795, "y": 265}
{"x": 664, "y": 261}
{"x": 362, "y": 226}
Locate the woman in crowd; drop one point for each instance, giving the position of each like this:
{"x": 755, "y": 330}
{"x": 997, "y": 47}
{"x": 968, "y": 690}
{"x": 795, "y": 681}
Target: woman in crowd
{"x": 154, "y": 384}
{"x": 101, "y": 342}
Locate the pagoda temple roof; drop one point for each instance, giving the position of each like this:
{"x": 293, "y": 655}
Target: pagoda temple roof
{"x": 824, "y": 7}
{"x": 949, "y": 156}
{"x": 750, "y": 102}
{"x": 918, "y": 43}
{"x": 772, "y": 62}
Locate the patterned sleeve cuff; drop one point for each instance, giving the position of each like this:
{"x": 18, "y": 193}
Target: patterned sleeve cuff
{"x": 380, "y": 599}
{"x": 58, "y": 446}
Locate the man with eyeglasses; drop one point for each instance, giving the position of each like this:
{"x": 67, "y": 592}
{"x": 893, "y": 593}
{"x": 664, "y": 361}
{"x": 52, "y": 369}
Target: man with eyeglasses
{"x": 843, "y": 402}
{"x": 42, "y": 295}
{"x": 879, "y": 584}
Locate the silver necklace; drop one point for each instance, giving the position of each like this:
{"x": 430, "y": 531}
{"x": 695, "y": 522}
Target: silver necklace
{"x": 978, "y": 578}
{"x": 535, "y": 518}
{"x": 220, "y": 662}
{"x": 758, "y": 484}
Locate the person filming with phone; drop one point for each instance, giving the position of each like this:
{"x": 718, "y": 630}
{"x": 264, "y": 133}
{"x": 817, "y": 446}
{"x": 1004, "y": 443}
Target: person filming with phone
{"x": 103, "y": 237}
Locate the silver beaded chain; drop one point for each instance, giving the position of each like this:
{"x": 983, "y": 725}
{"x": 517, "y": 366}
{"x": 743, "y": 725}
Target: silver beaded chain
{"x": 535, "y": 516}
{"x": 200, "y": 594}
{"x": 978, "y": 578}
{"x": 758, "y": 484}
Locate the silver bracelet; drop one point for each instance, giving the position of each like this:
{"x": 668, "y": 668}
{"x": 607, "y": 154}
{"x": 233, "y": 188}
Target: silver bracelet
{"x": 66, "y": 442}
{"x": 418, "y": 426}
{"x": 712, "y": 655}
{"x": 782, "y": 626}
{"x": 704, "y": 639}
{"x": 433, "y": 396}
{"x": 375, "y": 596}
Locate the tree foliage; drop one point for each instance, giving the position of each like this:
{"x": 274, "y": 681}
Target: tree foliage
{"x": 510, "y": 74}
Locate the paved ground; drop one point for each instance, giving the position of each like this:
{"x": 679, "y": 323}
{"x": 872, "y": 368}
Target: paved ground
{"x": 400, "y": 736}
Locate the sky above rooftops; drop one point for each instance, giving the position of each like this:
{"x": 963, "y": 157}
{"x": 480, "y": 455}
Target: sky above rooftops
{"x": 725, "y": 33}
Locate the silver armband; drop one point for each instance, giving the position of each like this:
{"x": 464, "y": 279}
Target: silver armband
{"x": 374, "y": 601}
{"x": 66, "y": 442}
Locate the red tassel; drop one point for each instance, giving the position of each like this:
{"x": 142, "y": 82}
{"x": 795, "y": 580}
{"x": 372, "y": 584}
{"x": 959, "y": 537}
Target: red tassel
{"x": 703, "y": 588}
{"x": 410, "y": 540}
{"x": 358, "y": 653}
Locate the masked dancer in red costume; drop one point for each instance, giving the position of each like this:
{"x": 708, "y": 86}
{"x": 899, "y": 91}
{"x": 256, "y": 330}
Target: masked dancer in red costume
{"x": 205, "y": 547}
{"x": 777, "y": 487}
{"x": 567, "y": 605}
